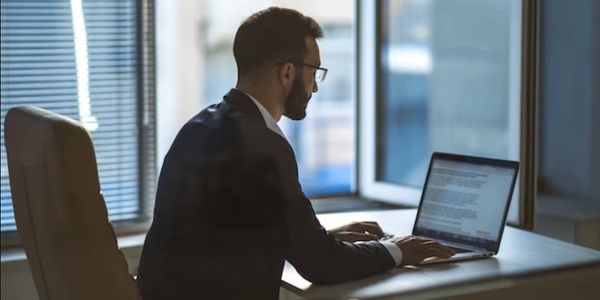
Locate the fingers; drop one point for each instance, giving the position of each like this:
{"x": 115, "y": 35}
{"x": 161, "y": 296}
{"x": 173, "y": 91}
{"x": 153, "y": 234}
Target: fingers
{"x": 369, "y": 226}
{"x": 350, "y": 236}
{"x": 439, "y": 247}
{"x": 437, "y": 252}
{"x": 387, "y": 238}
{"x": 411, "y": 239}
{"x": 415, "y": 249}
{"x": 359, "y": 236}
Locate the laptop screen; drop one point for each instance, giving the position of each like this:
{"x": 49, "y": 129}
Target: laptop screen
{"x": 465, "y": 199}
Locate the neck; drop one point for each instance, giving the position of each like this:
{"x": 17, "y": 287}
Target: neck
{"x": 265, "y": 94}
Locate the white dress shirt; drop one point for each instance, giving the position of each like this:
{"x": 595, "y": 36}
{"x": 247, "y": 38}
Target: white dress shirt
{"x": 269, "y": 121}
{"x": 394, "y": 250}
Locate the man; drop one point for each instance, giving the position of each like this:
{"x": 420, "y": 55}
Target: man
{"x": 229, "y": 208}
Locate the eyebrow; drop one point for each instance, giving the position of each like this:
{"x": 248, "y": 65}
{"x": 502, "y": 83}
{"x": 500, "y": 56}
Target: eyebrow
{"x": 318, "y": 64}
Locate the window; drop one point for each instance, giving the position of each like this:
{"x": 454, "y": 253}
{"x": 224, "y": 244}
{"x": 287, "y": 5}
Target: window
{"x": 568, "y": 206}
{"x": 324, "y": 141}
{"x": 445, "y": 77}
{"x": 570, "y": 126}
{"x": 91, "y": 61}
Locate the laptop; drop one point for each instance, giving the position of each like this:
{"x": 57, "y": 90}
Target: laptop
{"x": 464, "y": 204}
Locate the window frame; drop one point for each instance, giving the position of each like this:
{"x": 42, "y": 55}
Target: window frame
{"x": 369, "y": 30}
{"x": 368, "y": 74}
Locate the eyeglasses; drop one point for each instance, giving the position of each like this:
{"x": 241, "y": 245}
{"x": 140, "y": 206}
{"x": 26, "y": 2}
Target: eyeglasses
{"x": 319, "y": 73}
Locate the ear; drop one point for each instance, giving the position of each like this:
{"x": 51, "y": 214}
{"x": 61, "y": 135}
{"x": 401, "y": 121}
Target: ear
{"x": 287, "y": 75}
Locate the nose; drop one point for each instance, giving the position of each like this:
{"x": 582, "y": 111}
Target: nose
{"x": 315, "y": 87}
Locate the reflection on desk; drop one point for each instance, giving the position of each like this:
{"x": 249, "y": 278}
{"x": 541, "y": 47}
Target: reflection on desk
{"x": 527, "y": 265}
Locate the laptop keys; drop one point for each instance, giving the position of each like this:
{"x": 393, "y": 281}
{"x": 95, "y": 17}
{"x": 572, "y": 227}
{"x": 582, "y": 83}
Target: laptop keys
{"x": 459, "y": 250}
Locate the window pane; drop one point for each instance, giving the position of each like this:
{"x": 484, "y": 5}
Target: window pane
{"x": 449, "y": 76}
{"x": 78, "y": 59}
{"x": 324, "y": 140}
{"x": 568, "y": 205}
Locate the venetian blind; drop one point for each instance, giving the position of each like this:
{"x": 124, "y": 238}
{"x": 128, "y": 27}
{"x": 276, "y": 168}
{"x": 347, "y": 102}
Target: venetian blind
{"x": 91, "y": 61}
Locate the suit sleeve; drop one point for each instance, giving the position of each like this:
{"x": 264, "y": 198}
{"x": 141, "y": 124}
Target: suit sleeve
{"x": 316, "y": 254}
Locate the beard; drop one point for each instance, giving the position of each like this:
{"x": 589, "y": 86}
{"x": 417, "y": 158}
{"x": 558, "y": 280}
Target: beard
{"x": 296, "y": 101}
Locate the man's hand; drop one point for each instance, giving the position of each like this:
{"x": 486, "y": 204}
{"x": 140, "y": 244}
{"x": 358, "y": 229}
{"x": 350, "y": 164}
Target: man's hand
{"x": 415, "y": 249}
{"x": 357, "y": 231}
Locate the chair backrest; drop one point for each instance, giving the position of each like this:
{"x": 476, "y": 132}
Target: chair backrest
{"x": 59, "y": 211}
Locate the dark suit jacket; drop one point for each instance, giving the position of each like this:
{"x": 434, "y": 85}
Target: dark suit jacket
{"x": 229, "y": 210}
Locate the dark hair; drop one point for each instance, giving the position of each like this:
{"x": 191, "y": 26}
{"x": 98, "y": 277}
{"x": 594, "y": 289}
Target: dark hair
{"x": 271, "y": 36}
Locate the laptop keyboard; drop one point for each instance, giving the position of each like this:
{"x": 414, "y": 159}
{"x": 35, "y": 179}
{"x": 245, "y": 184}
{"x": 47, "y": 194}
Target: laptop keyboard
{"x": 456, "y": 250}
{"x": 459, "y": 250}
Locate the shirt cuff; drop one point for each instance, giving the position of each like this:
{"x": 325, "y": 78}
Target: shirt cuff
{"x": 394, "y": 251}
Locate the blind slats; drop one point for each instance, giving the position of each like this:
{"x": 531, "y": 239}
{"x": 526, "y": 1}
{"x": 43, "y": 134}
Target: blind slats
{"x": 47, "y": 78}
{"x": 44, "y": 42}
{"x": 39, "y": 65}
{"x": 62, "y": 52}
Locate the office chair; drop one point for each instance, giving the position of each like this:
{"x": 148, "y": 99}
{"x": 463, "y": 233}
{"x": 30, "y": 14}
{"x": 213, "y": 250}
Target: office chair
{"x": 59, "y": 210}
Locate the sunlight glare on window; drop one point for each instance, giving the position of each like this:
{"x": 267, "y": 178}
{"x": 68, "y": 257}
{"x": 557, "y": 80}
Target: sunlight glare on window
{"x": 81, "y": 59}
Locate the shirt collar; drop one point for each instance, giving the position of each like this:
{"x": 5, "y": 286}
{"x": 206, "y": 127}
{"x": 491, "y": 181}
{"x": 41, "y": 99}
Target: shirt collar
{"x": 269, "y": 121}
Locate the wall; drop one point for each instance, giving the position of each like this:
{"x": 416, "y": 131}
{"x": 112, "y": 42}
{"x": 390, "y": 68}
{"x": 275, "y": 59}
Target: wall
{"x": 178, "y": 68}
{"x": 17, "y": 282}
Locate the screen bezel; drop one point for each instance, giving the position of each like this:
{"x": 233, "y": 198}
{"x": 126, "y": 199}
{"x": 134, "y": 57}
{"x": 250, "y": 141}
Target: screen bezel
{"x": 489, "y": 245}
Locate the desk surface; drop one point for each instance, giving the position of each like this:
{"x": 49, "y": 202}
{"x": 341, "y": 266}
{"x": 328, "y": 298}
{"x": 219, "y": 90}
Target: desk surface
{"x": 521, "y": 254}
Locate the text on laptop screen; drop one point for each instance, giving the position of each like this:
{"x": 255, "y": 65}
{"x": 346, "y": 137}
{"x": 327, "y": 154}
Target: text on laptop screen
{"x": 466, "y": 199}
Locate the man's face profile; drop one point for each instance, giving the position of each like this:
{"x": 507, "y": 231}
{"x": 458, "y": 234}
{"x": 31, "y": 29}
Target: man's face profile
{"x": 297, "y": 100}
{"x": 299, "y": 96}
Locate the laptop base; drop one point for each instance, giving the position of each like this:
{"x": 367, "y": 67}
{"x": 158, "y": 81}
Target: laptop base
{"x": 457, "y": 257}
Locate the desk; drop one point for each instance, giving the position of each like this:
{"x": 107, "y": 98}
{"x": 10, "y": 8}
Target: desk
{"x": 527, "y": 265}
